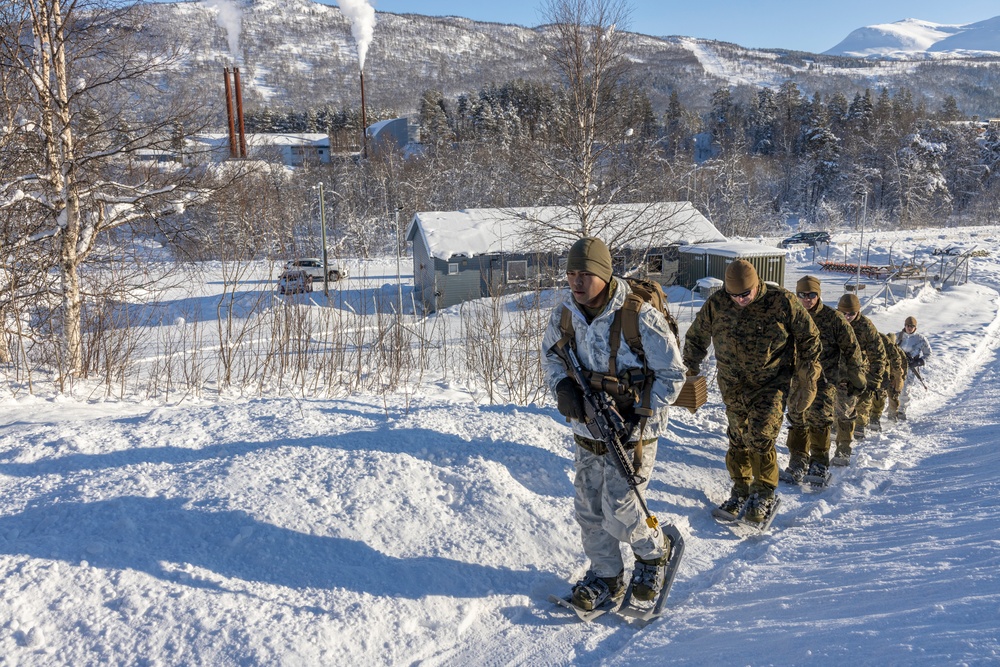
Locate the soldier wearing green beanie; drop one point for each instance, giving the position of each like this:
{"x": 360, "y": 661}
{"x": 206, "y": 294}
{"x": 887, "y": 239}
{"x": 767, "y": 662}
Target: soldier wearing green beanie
{"x": 607, "y": 511}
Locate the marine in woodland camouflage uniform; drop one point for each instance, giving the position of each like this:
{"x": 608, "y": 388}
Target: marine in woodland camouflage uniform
{"x": 874, "y": 355}
{"x": 762, "y": 337}
{"x": 842, "y": 362}
{"x": 892, "y": 383}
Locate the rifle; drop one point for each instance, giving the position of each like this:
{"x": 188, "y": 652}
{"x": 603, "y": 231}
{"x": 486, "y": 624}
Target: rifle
{"x": 914, "y": 364}
{"x": 605, "y": 424}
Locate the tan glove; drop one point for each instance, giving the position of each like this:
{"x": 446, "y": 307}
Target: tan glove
{"x": 803, "y": 389}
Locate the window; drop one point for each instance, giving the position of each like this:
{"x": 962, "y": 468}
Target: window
{"x": 654, "y": 264}
{"x": 453, "y": 269}
{"x": 517, "y": 271}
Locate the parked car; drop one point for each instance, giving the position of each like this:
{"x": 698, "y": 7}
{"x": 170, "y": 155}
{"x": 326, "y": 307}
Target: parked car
{"x": 313, "y": 266}
{"x": 807, "y": 238}
{"x": 294, "y": 282}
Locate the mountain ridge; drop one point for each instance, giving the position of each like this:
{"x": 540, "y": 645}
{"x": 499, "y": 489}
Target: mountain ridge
{"x": 300, "y": 54}
{"x": 915, "y": 38}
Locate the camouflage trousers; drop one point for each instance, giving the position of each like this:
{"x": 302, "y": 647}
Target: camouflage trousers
{"x": 845, "y": 409}
{"x": 809, "y": 431}
{"x": 864, "y": 408}
{"x": 609, "y": 513}
{"x": 882, "y": 396}
{"x": 754, "y": 422}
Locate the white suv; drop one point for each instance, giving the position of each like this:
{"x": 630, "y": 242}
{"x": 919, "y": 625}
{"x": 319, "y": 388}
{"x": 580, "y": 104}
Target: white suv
{"x": 313, "y": 267}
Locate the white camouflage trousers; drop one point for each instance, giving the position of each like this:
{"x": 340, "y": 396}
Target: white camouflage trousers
{"x": 908, "y": 384}
{"x": 609, "y": 513}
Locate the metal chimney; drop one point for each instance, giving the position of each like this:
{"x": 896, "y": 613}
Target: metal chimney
{"x": 364, "y": 120}
{"x": 239, "y": 112}
{"x": 230, "y": 119}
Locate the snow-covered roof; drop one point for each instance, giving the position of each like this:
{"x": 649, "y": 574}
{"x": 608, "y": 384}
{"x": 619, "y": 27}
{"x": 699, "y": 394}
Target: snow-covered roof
{"x": 733, "y": 249}
{"x": 480, "y": 231}
{"x": 319, "y": 139}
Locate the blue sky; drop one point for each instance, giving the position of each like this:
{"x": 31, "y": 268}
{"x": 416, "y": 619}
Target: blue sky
{"x": 791, "y": 24}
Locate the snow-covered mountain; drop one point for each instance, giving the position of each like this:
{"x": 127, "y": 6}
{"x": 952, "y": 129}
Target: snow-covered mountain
{"x": 300, "y": 54}
{"x": 913, "y": 38}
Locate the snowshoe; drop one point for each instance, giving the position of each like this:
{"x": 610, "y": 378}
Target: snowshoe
{"x": 592, "y": 591}
{"x": 632, "y": 606}
{"x": 769, "y": 505}
{"x": 818, "y": 475}
{"x": 794, "y": 473}
{"x": 593, "y": 596}
{"x": 731, "y": 509}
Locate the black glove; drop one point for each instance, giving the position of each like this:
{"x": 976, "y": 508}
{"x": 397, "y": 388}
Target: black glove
{"x": 569, "y": 399}
{"x": 917, "y": 362}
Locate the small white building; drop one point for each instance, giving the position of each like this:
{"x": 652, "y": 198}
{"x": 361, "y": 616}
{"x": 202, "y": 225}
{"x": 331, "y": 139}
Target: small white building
{"x": 292, "y": 149}
{"x": 475, "y": 253}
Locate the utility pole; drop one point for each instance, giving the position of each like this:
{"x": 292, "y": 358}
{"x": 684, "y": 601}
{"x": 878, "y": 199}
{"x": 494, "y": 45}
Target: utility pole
{"x": 322, "y": 233}
{"x": 399, "y": 252}
{"x": 864, "y": 216}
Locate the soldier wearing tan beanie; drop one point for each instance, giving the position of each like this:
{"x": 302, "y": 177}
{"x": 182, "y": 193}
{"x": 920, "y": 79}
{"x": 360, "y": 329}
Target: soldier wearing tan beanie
{"x": 917, "y": 349}
{"x": 807, "y": 285}
{"x": 809, "y": 431}
{"x": 741, "y": 279}
{"x": 763, "y": 337}
{"x": 851, "y": 424}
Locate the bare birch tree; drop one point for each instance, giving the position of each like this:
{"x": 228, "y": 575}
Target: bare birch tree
{"x": 87, "y": 107}
{"x": 602, "y": 145}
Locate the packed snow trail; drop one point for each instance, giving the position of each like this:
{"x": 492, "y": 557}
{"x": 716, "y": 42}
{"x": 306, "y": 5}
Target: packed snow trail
{"x": 429, "y": 529}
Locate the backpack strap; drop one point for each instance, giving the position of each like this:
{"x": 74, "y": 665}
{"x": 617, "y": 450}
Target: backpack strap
{"x": 629, "y": 327}
{"x": 566, "y": 327}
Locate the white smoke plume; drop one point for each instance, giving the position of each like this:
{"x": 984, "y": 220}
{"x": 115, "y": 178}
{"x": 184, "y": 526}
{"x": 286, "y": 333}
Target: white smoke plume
{"x": 362, "y": 18}
{"x": 230, "y": 19}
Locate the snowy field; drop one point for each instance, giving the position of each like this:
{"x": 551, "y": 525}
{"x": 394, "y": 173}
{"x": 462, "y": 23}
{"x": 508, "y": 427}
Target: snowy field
{"x": 429, "y": 529}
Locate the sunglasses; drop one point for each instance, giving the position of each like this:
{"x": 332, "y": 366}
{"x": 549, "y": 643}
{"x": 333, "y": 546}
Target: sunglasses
{"x": 808, "y": 295}
{"x": 850, "y": 316}
{"x": 910, "y": 326}
{"x": 741, "y": 295}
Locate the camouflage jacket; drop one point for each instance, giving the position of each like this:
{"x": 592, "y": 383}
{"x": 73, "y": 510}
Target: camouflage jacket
{"x": 872, "y": 348}
{"x": 913, "y": 344}
{"x": 841, "y": 356}
{"x": 895, "y": 364}
{"x": 767, "y": 341}
{"x": 592, "y": 344}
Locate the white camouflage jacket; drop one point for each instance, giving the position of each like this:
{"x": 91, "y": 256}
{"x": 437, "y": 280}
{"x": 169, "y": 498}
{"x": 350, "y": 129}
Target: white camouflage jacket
{"x": 913, "y": 344}
{"x": 592, "y": 346}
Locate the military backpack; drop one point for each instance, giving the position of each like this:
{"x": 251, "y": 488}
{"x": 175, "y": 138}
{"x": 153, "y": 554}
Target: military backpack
{"x": 633, "y": 388}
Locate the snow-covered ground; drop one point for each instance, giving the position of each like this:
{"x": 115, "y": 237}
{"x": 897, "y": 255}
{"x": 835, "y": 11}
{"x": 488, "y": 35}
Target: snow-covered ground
{"x": 430, "y": 528}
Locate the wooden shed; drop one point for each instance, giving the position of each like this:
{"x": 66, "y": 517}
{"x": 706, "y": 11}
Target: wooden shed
{"x": 709, "y": 260}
